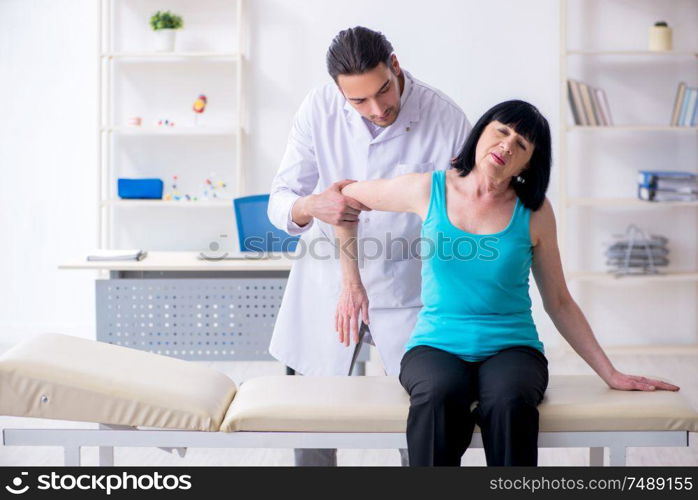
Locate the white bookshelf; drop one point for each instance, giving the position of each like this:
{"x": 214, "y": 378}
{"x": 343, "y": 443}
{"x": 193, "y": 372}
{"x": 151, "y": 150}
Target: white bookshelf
{"x": 110, "y": 56}
{"x": 167, "y": 203}
{"x": 669, "y": 53}
{"x": 607, "y": 278}
{"x": 167, "y": 56}
{"x": 568, "y": 202}
{"x": 627, "y": 203}
{"x": 631, "y": 128}
{"x": 163, "y": 131}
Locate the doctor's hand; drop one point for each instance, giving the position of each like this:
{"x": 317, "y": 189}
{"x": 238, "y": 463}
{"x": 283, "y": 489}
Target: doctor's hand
{"x": 626, "y": 382}
{"x": 352, "y": 302}
{"x": 332, "y": 207}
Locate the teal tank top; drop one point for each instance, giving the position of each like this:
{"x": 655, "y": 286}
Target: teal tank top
{"x": 474, "y": 286}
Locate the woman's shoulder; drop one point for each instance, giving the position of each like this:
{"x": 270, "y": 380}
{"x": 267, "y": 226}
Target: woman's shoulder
{"x": 424, "y": 181}
{"x": 417, "y": 188}
{"x": 542, "y": 224}
{"x": 418, "y": 177}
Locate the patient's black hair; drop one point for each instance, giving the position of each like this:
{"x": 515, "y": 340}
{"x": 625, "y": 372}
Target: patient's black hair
{"x": 355, "y": 51}
{"x": 528, "y": 122}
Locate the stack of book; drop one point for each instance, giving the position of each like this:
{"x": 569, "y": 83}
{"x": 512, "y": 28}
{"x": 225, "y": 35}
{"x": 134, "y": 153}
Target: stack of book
{"x": 637, "y": 253}
{"x": 685, "y": 112}
{"x": 589, "y": 105}
{"x": 662, "y": 185}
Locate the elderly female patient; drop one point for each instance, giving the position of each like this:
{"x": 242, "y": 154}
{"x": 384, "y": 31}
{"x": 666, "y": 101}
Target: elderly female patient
{"x": 486, "y": 225}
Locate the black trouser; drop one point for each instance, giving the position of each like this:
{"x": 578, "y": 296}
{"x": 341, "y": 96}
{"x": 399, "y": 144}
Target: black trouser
{"x": 442, "y": 387}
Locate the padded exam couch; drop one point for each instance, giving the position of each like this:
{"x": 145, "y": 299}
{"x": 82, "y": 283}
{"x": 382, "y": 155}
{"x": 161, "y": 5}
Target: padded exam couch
{"x": 144, "y": 399}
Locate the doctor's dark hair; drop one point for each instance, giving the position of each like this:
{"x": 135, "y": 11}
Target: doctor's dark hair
{"x": 355, "y": 51}
{"x": 528, "y": 122}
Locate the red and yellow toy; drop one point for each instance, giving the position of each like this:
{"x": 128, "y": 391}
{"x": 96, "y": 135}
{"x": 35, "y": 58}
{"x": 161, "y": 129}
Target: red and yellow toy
{"x": 200, "y": 104}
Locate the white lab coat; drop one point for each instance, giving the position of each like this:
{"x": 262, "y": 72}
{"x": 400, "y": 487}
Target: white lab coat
{"x": 329, "y": 141}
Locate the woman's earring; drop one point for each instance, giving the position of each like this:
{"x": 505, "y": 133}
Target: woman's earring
{"x": 520, "y": 179}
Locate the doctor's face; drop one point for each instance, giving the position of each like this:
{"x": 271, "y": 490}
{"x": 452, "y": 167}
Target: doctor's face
{"x": 376, "y": 93}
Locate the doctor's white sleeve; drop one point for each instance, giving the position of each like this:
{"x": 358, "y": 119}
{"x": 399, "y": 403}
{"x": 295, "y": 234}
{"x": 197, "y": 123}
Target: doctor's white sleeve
{"x": 462, "y": 128}
{"x": 297, "y": 175}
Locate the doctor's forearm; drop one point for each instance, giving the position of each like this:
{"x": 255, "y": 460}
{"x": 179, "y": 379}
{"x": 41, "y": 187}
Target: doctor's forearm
{"x": 348, "y": 254}
{"x": 574, "y": 327}
{"x": 299, "y": 212}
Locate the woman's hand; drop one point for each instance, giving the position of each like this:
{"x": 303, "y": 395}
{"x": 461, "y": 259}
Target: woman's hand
{"x": 626, "y": 382}
{"x": 352, "y": 301}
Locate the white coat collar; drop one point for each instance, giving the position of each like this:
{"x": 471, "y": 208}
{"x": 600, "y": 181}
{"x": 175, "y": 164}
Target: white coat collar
{"x": 409, "y": 113}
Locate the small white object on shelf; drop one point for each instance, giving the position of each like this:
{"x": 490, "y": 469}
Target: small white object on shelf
{"x": 660, "y": 37}
{"x": 114, "y": 255}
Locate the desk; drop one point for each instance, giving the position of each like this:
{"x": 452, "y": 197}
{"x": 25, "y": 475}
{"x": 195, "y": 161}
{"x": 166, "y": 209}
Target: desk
{"x": 184, "y": 261}
{"x": 174, "y": 304}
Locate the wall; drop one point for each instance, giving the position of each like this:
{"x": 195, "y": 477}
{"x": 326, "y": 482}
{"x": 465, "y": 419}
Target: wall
{"x": 477, "y": 52}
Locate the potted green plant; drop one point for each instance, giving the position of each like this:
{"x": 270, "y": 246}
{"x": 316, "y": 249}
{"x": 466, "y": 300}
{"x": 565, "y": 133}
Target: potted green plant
{"x": 165, "y": 24}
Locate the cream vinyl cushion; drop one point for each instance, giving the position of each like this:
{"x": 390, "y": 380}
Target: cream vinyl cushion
{"x": 319, "y": 404}
{"x": 586, "y": 403}
{"x": 69, "y": 378}
{"x": 380, "y": 404}
{"x": 62, "y": 377}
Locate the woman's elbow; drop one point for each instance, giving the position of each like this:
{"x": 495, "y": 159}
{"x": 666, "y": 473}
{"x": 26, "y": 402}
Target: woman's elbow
{"x": 558, "y": 303}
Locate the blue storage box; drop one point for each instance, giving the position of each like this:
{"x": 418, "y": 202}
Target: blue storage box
{"x": 140, "y": 188}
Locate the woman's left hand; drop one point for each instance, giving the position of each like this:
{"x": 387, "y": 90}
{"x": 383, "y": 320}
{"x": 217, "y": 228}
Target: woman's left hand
{"x": 353, "y": 302}
{"x": 626, "y": 382}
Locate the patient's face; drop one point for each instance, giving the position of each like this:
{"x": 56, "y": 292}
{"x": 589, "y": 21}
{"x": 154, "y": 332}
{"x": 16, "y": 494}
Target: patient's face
{"x": 376, "y": 93}
{"x": 501, "y": 152}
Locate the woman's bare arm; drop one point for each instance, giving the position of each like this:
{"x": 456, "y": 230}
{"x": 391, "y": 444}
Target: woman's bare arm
{"x": 353, "y": 300}
{"x": 566, "y": 314}
{"x": 404, "y": 193}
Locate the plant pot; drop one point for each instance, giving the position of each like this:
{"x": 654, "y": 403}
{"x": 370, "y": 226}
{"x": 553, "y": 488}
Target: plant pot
{"x": 165, "y": 40}
{"x": 660, "y": 38}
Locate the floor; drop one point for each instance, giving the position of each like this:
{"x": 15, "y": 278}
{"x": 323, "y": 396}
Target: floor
{"x": 679, "y": 367}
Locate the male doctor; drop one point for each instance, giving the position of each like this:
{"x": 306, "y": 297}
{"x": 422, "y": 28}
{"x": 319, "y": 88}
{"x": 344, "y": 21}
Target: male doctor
{"x": 375, "y": 120}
